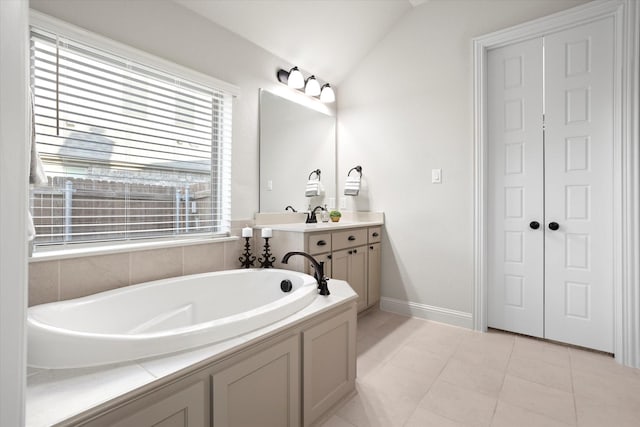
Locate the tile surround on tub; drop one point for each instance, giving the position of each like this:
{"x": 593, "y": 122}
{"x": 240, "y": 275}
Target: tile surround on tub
{"x": 155, "y": 264}
{"x": 66, "y": 278}
{"x": 43, "y": 282}
{"x": 85, "y": 276}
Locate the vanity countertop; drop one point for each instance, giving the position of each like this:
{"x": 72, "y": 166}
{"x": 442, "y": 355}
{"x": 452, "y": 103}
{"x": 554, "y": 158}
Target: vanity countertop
{"x": 348, "y": 220}
{"x": 320, "y": 226}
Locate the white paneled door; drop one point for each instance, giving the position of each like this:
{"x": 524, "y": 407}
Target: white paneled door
{"x": 550, "y": 103}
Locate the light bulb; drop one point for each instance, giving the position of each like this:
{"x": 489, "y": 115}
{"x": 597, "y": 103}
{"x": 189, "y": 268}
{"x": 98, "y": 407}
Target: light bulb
{"x": 327, "y": 95}
{"x": 312, "y": 88}
{"x": 296, "y": 80}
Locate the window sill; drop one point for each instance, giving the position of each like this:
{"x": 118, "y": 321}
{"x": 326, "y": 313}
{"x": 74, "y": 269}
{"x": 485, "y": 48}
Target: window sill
{"x": 54, "y": 254}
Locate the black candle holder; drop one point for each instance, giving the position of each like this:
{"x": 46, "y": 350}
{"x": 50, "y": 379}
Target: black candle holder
{"x": 247, "y": 259}
{"x": 267, "y": 260}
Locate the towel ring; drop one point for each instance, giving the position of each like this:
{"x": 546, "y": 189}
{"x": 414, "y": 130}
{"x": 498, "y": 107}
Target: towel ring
{"x": 357, "y": 169}
{"x": 317, "y": 172}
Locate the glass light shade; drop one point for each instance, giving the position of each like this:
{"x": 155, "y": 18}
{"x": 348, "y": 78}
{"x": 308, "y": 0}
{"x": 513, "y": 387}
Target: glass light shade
{"x": 296, "y": 80}
{"x": 327, "y": 95}
{"x": 312, "y": 88}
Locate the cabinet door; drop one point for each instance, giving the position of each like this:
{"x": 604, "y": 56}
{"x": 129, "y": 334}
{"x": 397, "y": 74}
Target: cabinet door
{"x": 329, "y": 364}
{"x": 373, "y": 276}
{"x": 262, "y": 390}
{"x": 326, "y": 258}
{"x": 186, "y": 408}
{"x": 351, "y": 265}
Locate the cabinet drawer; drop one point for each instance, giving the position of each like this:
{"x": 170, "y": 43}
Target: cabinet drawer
{"x": 349, "y": 238}
{"x": 375, "y": 234}
{"x": 319, "y": 243}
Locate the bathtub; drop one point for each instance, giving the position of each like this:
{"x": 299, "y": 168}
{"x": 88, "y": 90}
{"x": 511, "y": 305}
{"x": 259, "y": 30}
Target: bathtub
{"x": 160, "y": 317}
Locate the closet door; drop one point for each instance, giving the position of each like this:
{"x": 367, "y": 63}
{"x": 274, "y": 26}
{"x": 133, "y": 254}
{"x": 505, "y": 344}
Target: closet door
{"x": 515, "y": 196}
{"x": 579, "y": 185}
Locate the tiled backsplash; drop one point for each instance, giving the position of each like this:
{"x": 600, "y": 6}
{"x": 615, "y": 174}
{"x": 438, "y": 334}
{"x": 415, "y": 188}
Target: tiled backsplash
{"x": 76, "y": 277}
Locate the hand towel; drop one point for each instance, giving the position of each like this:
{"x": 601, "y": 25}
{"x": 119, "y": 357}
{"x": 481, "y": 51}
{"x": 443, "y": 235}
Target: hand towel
{"x": 352, "y": 185}
{"x": 313, "y": 188}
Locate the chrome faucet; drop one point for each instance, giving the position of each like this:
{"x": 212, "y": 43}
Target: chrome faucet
{"x": 318, "y": 268}
{"x": 311, "y": 217}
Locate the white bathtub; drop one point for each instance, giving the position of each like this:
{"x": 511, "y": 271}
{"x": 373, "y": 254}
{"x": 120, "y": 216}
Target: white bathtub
{"x": 160, "y": 317}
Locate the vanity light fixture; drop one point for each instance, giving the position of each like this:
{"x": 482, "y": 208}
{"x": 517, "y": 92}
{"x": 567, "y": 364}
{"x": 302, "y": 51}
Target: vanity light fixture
{"x": 296, "y": 79}
{"x": 327, "y": 95}
{"x": 311, "y": 87}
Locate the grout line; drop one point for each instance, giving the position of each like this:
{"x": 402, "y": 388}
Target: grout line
{"x": 58, "y": 284}
{"x": 573, "y": 390}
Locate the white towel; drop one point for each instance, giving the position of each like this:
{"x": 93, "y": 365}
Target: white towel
{"x": 314, "y": 188}
{"x": 36, "y": 169}
{"x": 352, "y": 186}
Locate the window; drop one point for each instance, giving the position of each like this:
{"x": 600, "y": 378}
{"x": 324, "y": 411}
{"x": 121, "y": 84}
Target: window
{"x": 130, "y": 151}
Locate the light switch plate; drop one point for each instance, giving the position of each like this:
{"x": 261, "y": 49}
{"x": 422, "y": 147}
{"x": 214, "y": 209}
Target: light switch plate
{"x": 436, "y": 176}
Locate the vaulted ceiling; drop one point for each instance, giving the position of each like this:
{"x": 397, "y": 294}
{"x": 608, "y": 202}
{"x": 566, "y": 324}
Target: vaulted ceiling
{"x": 324, "y": 37}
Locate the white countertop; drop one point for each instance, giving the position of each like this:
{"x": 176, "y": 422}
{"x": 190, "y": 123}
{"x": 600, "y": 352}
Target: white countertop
{"x": 321, "y": 226}
{"x": 295, "y": 222}
{"x": 56, "y": 395}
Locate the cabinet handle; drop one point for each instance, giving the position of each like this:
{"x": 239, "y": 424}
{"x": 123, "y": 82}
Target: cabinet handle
{"x": 355, "y": 251}
{"x": 328, "y": 256}
{"x": 352, "y": 238}
{"x": 321, "y": 243}
{"x": 534, "y": 225}
{"x": 376, "y": 234}
{"x": 350, "y": 252}
{"x": 554, "y": 226}
{"x": 371, "y": 247}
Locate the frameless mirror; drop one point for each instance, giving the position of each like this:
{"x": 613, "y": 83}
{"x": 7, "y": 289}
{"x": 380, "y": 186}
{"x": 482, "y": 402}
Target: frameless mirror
{"x": 294, "y": 141}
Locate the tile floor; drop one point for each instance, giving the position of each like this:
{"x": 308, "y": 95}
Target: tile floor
{"x": 417, "y": 373}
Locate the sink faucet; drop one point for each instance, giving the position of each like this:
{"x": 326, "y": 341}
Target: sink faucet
{"x": 290, "y": 208}
{"x": 311, "y": 217}
{"x": 318, "y": 270}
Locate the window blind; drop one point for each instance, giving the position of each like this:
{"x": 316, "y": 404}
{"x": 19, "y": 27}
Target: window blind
{"x": 130, "y": 151}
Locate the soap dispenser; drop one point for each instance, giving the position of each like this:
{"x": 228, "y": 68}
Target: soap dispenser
{"x": 325, "y": 214}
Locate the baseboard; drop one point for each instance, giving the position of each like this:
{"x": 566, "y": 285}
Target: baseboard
{"x": 429, "y": 312}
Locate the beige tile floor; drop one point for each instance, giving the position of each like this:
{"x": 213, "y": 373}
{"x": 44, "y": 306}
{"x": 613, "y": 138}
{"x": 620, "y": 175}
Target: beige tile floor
{"x": 417, "y": 373}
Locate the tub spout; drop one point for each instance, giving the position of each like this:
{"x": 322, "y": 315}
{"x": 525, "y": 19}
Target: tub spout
{"x": 318, "y": 268}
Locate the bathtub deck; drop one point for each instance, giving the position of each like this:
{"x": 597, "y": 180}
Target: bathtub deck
{"x": 57, "y": 395}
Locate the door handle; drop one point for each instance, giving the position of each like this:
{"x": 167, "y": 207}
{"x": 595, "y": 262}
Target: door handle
{"x": 534, "y": 225}
{"x": 553, "y": 226}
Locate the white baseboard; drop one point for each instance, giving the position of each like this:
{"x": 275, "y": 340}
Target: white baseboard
{"x": 429, "y": 312}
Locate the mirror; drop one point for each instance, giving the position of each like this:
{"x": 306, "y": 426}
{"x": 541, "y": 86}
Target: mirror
{"x": 294, "y": 141}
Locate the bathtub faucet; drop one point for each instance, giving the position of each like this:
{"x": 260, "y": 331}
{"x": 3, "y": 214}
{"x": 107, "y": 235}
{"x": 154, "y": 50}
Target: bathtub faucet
{"x": 318, "y": 267}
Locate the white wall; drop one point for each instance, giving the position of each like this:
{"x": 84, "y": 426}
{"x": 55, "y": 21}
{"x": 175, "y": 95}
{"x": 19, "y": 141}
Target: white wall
{"x": 406, "y": 109}
{"x": 172, "y": 32}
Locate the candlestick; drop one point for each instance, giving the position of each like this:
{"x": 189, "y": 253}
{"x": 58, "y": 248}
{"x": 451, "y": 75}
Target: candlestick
{"x": 247, "y": 259}
{"x": 267, "y": 260}
{"x": 267, "y": 232}
{"x": 247, "y": 232}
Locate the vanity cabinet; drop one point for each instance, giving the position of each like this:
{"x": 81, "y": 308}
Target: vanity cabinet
{"x": 352, "y": 255}
{"x": 350, "y": 265}
{"x": 373, "y": 273}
